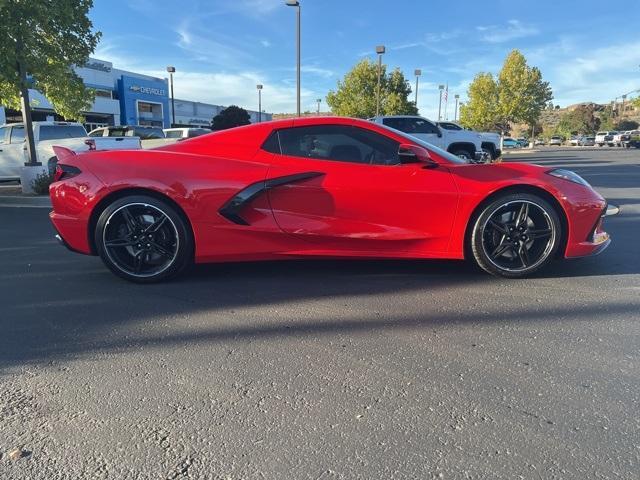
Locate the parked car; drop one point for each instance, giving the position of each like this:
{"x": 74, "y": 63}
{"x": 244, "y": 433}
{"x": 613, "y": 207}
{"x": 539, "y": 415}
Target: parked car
{"x": 150, "y": 137}
{"x": 575, "y": 140}
{"x": 538, "y": 141}
{"x": 621, "y": 139}
{"x": 508, "y": 142}
{"x": 634, "y": 138}
{"x": 556, "y": 140}
{"x": 13, "y": 148}
{"x": 318, "y": 187}
{"x": 185, "y": 132}
{"x": 523, "y": 142}
{"x": 462, "y": 143}
{"x": 605, "y": 138}
{"x": 490, "y": 141}
{"x": 587, "y": 141}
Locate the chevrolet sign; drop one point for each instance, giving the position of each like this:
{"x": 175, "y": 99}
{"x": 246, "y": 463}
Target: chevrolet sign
{"x": 148, "y": 90}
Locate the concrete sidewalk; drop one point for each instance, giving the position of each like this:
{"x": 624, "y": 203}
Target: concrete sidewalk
{"x": 26, "y": 201}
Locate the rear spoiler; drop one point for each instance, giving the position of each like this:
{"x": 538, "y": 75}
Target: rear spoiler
{"x": 63, "y": 153}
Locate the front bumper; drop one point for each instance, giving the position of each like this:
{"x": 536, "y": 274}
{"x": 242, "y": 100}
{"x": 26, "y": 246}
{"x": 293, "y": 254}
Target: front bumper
{"x": 595, "y": 241}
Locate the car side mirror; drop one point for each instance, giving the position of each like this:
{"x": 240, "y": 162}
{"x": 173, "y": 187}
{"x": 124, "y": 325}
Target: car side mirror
{"x": 408, "y": 153}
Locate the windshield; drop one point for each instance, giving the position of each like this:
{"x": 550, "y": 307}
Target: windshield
{"x": 432, "y": 148}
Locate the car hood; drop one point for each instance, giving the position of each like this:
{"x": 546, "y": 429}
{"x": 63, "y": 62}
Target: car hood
{"x": 512, "y": 172}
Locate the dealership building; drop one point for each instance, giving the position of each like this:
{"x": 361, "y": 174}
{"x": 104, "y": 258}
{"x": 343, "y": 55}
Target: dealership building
{"x": 127, "y": 98}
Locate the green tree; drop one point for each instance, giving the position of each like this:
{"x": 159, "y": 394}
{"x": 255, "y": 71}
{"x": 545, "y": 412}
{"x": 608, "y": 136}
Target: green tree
{"x": 636, "y": 102}
{"x": 624, "y": 125}
{"x": 606, "y": 118}
{"x": 355, "y": 95}
{"x": 480, "y": 112}
{"x": 522, "y": 94}
{"x": 580, "y": 120}
{"x": 40, "y": 42}
{"x": 517, "y": 95}
{"x": 232, "y": 116}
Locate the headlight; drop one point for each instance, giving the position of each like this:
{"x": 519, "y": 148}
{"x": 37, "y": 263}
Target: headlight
{"x": 569, "y": 175}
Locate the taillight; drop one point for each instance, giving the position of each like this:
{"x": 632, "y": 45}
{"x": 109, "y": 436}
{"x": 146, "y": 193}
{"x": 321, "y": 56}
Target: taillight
{"x": 64, "y": 172}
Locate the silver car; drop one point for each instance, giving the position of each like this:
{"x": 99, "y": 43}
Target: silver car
{"x": 587, "y": 141}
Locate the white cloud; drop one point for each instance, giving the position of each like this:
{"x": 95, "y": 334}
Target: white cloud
{"x": 513, "y": 30}
{"x": 579, "y": 74}
{"x": 265, "y": 43}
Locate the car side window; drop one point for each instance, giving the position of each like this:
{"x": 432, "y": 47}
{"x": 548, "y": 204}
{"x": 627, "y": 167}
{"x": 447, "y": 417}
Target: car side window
{"x": 4, "y": 132}
{"x": 340, "y": 143}
{"x": 411, "y": 125}
{"x": 17, "y": 134}
{"x": 272, "y": 144}
{"x": 97, "y": 133}
{"x": 450, "y": 126}
{"x": 173, "y": 134}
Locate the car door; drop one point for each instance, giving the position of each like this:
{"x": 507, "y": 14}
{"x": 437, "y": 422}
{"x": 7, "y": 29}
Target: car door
{"x": 345, "y": 191}
{"x": 13, "y": 154}
{"x": 418, "y": 127}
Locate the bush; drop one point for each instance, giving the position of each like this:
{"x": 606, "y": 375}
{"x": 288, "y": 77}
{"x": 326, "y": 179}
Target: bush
{"x": 41, "y": 183}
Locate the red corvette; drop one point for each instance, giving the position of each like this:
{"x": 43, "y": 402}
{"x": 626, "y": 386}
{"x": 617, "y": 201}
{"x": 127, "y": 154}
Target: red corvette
{"x": 317, "y": 187}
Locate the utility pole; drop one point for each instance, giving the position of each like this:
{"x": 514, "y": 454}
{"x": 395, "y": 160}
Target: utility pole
{"x": 417, "y": 73}
{"x": 259, "y": 88}
{"x": 318, "y": 111}
{"x": 455, "y": 115}
{"x": 380, "y": 51}
{"x": 441, "y": 88}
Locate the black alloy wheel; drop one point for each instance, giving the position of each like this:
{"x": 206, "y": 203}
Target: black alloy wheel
{"x": 143, "y": 239}
{"x": 516, "y": 235}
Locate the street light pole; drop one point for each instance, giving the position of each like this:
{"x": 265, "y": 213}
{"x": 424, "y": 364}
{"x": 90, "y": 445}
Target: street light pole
{"x": 296, "y": 3}
{"x": 318, "y": 100}
{"x": 455, "y": 115}
{"x": 624, "y": 97}
{"x": 259, "y": 87}
{"x": 417, "y": 73}
{"x": 380, "y": 51}
{"x": 441, "y": 88}
{"x": 171, "y": 71}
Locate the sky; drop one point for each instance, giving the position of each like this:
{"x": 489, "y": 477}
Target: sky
{"x": 587, "y": 50}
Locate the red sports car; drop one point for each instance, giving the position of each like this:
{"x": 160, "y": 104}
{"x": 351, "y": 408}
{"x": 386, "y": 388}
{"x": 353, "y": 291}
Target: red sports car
{"x": 317, "y": 187}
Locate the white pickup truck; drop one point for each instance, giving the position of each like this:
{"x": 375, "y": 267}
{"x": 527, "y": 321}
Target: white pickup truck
{"x": 13, "y": 147}
{"x": 150, "y": 137}
{"x": 490, "y": 141}
{"x": 463, "y": 143}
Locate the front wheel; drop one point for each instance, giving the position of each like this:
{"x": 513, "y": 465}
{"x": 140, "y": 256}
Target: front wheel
{"x": 143, "y": 239}
{"x": 464, "y": 154}
{"x": 516, "y": 235}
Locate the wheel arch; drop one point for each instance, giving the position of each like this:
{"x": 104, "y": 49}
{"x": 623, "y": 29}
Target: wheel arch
{"x": 468, "y": 146}
{"x": 519, "y": 188}
{"x": 126, "y": 192}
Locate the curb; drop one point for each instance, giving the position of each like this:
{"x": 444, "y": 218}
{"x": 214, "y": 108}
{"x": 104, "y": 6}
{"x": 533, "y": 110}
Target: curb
{"x": 24, "y": 201}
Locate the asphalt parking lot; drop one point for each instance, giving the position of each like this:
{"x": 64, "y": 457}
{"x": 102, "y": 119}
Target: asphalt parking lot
{"x": 327, "y": 369}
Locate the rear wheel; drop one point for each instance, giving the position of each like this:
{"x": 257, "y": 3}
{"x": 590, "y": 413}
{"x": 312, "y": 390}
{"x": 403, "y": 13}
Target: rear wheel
{"x": 516, "y": 235}
{"x": 143, "y": 239}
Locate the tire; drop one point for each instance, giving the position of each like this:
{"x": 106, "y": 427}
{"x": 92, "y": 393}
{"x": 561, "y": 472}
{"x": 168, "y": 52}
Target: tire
{"x": 143, "y": 239}
{"x": 462, "y": 153}
{"x": 513, "y": 241}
